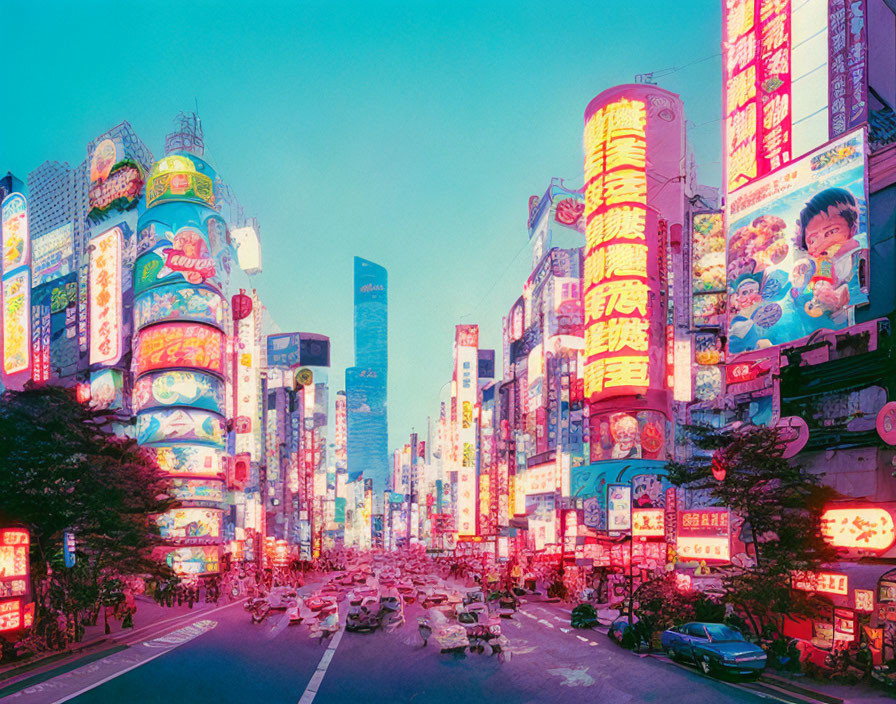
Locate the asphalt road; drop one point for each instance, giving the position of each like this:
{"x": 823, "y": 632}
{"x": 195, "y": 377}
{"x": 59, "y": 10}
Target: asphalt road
{"x": 222, "y": 657}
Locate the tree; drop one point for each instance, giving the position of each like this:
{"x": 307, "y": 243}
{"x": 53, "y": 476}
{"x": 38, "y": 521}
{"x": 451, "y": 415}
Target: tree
{"x": 70, "y": 471}
{"x": 781, "y": 506}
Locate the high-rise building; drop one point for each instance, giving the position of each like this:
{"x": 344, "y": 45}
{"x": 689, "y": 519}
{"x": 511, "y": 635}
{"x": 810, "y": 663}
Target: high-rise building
{"x": 365, "y": 383}
{"x": 51, "y": 202}
{"x": 10, "y": 184}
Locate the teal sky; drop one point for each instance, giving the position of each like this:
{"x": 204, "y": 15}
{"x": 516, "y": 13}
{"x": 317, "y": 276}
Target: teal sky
{"x": 408, "y": 133}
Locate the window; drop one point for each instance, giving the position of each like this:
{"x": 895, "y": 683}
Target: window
{"x": 696, "y": 630}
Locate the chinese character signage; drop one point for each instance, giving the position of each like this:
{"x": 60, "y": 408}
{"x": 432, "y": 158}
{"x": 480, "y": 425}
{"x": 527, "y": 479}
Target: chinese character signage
{"x": 703, "y": 535}
{"x": 822, "y": 582}
{"x": 648, "y": 523}
{"x": 848, "y": 65}
{"x": 757, "y": 44}
{"x": 105, "y": 297}
{"x": 798, "y": 248}
{"x": 859, "y": 528}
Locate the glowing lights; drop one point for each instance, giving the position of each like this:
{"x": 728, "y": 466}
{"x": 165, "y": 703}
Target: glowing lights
{"x": 180, "y": 345}
{"x": 757, "y": 80}
{"x": 466, "y": 378}
{"x": 17, "y": 321}
{"x": 175, "y": 178}
{"x": 648, "y": 523}
{"x": 16, "y": 240}
{"x": 864, "y": 528}
{"x": 105, "y": 297}
{"x": 823, "y": 582}
{"x": 703, "y": 534}
{"x": 618, "y": 285}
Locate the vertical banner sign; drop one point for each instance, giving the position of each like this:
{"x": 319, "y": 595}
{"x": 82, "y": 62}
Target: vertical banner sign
{"x": 16, "y": 240}
{"x": 670, "y": 522}
{"x": 466, "y": 372}
{"x": 618, "y": 286}
{"x": 105, "y": 297}
{"x": 17, "y": 321}
{"x": 756, "y": 60}
{"x": 848, "y": 65}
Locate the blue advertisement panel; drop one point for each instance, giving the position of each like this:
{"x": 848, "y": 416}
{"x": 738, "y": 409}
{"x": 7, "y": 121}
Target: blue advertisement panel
{"x": 179, "y": 302}
{"x": 180, "y": 425}
{"x": 798, "y": 248}
{"x": 179, "y": 388}
{"x": 591, "y": 481}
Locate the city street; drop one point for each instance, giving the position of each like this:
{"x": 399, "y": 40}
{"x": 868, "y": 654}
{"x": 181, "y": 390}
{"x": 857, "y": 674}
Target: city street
{"x": 223, "y": 657}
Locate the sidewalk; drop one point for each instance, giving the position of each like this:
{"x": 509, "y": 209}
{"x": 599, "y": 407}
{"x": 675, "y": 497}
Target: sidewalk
{"x": 149, "y": 614}
{"x": 829, "y": 692}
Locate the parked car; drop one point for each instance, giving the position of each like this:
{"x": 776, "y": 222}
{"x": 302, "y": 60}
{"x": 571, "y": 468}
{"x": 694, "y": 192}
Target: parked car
{"x": 715, "y": 648}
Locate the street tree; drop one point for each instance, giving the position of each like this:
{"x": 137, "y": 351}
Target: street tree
{"x": 65, "y": 469}
{"x": 781, "y": 504}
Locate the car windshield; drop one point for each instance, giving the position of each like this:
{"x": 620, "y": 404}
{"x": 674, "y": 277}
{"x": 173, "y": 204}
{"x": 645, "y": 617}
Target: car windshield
{"x": 718, "y": 632}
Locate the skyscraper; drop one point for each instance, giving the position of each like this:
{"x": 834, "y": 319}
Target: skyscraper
{"x": 365, "y": 383}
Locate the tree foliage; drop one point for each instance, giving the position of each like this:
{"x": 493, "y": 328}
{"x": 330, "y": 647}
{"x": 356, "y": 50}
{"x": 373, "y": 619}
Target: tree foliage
{"x": 65, "y": 469}
{"x": 781, "y": 505}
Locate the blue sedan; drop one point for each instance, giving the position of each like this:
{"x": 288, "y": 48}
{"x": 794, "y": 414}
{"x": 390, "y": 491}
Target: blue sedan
{"x": 714, "y": 648}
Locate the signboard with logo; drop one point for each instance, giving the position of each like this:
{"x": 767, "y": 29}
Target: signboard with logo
{"x": 822, "y": 582}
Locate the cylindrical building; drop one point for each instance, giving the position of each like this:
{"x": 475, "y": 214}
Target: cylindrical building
{"x": 179, "y": 361}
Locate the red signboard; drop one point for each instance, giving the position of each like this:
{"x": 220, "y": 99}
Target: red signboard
{"x": 703, "y": 535}
{"x": 743, "y": 371}
{"x": 180, "y": 345}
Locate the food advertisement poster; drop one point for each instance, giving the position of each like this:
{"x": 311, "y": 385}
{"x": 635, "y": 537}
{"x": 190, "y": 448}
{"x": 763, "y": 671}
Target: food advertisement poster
{"x": 798, "y": 248}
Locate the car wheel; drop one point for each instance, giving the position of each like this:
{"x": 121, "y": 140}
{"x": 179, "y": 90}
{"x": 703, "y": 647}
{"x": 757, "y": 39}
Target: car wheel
{"x": 671, "y": 653}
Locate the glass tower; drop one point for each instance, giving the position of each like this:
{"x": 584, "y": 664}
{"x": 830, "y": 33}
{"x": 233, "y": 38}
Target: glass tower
{"x": 365, "y": 383}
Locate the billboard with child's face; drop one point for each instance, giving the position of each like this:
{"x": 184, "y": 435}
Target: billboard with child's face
{"x": 798, "y": 248}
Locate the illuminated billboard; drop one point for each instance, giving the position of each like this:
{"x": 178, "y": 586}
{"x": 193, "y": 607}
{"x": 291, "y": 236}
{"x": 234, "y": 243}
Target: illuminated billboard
{"x": 105, "y": 309}
{"x": 187, "y": 525}
{"x": 195, "y": 255}
{"x": 864, "y": 528}
{"x": 14, "y": 563}
{"x": 798, "y": 248}
{"x": 195, "y": 560}
{"x": 703, "y": 535}
{"x": 180, "y": 425}
{"x": 16, "y": 240}
{"x": 17, "y": 321}
{"x": 179, "y": 302}
{"x": 466, "y": 380}
{"x": 616, "y": 436}
{"x": 708, "y": 253}
{"x": 180, "y": 345}
{"x": 623, "y": 281}
{"x": 179, "y": 388}
{"x": 190, "y": 459}
{"x": 648, "y": 523}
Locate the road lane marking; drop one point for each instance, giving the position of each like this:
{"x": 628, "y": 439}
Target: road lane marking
{"x": 543, "y": 622}
{"x": 583, "y": 639}
{"x": 318, "y": 677}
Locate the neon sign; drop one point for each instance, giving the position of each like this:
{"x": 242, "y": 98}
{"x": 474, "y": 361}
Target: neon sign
{"x": 105, "y": 297}
{"x": 648, "y": 522}
{"x": 757, "y": 80}
{"x": 180, "y": 345}
{"x": 823, "y": 582}
{"x": 17, "y": 321}
{"x": 617, "y": 283}
{"x": 189, "y": 254}
{"x": 15, "y": 242}
{"x": 858, "y": 528}
{"x": 703, "y": 535}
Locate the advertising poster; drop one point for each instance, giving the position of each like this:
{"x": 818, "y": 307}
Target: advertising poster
{"x": 798, "y": 248}
{"x": 178, "y": 302}
{"x": 708, "y": 252}
{"x": 190, "y": 524}
{"x": 180, "y": 345}
{"x": 617, "y": 436}
{"x": 17, "y": 321}
{"x": 179, "y": 388}
{"x": 52, "y": 254}
{"x": 176, "y": 425}
{"x": 106, "y": 389}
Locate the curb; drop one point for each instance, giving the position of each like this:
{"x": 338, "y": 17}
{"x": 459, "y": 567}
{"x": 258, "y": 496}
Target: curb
{"x": 21, "y": 668}
{"x": 790, "y": 686}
